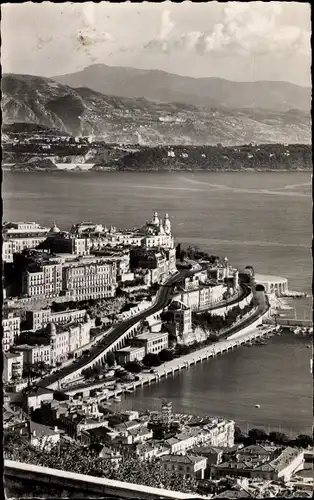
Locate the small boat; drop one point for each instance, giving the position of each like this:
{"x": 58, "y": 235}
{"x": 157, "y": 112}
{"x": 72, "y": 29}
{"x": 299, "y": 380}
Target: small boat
{"x": 308, "y": 346}
{"x": 257, "y": 406}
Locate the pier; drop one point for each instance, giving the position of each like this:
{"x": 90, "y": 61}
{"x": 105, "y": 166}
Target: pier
{"x": 184, "y": 362}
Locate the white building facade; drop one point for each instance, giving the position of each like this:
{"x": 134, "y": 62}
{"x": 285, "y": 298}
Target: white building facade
{"x": 11, "y": 329}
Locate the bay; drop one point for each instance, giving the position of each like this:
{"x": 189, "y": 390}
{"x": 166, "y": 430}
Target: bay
{"x": 261, "y": 219}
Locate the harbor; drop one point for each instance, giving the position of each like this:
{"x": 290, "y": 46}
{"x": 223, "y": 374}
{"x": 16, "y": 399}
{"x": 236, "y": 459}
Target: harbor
{"x": 169, "y": 368}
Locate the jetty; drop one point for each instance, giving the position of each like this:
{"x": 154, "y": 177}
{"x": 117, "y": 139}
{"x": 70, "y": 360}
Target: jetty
{"x": 169, "y": 368}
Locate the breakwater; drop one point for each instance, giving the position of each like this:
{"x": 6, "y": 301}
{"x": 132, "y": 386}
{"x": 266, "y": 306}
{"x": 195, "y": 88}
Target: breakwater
{"x": 249, "y": 333}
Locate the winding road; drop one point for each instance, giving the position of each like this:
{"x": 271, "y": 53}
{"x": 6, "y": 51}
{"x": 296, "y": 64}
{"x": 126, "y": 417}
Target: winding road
{"x": 163, "y": 298}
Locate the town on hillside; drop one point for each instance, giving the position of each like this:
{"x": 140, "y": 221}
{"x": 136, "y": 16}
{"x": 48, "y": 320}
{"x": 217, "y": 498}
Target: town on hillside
{"x": 94, "y": 312}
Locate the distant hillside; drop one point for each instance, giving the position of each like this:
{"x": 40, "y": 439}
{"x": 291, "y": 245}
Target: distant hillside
{"x": 30, "y": 129}
{"x": 209, "y": 158}
{"x": 34, "y": 165}
{"x": 42, "y": 101}
{"x": 209, "y": 92}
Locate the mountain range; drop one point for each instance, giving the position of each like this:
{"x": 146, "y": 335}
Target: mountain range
{"x": 210, "y": 92}
{"x": 137, "y": 120}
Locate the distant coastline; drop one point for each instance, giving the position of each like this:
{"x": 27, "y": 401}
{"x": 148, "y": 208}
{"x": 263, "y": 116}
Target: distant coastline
{"x": 108, "y": 169}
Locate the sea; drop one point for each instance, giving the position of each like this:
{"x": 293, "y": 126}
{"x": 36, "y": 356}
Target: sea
{"x": 262, "y": 219}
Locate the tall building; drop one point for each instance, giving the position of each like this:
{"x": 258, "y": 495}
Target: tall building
{"x": 11, "y": 329}
{"x": 181, "y": 315}
{"x": 92, "y": 278}
{"x": 33, "y": 354}
{"x": 78, "y": 277}
{"x": 12, "y": 366}
{"x": 20, "y": 235}
{"x": 39, "y": 318}
{"x": 42, "y": 280}
{"x": 54, "y": 344}
{"x": 65, "y": 242}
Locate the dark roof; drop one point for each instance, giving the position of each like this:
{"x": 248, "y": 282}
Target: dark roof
{"x": 98, "y": 432}
{"x": 43, "y": 430}
{"x": 204, "y": 450}
{"x": 253, "y": 449}
{"x": 183, "y": 459}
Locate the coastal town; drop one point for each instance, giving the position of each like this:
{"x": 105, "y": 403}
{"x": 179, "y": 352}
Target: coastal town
{"x": 94, "y": 312}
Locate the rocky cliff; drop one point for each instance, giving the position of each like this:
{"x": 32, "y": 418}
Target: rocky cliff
{"x": 82, "y": 111}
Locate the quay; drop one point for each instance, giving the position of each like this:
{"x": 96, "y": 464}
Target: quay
{"x": 246, "y": 335}
{"x": 184, "y": 362}
{"x": 123, "y": 331}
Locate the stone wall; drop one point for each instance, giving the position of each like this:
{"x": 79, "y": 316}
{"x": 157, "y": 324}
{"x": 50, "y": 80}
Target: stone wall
{"x": 18, "y": 475}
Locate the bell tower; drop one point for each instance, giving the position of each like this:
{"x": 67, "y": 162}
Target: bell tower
{"x": 167, "y": 224}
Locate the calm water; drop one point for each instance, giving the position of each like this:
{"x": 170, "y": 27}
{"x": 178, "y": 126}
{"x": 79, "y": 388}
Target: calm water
{"x": 261, "y": 219}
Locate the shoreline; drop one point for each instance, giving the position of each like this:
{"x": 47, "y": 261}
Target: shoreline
{"x": 129, "y": 400}
{"x": 222, "y": 346}
{"x": 106, "y": 169}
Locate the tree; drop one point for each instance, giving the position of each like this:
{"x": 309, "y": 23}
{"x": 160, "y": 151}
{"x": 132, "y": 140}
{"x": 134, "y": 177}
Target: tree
{"x": 165, "y": 355}
{"x": 182, "y": 349}
{"x": 73, "y": 457}
{"x": 257, "y": 435}
{"x": 98, "y": 321}
{"x": 182, "y": 255}
{"x": 178, "y": 251}
{"x": 110, "y": 359}
{"x": 237, "y": 434}
{"x": 151, "y": 360}
{"x": 41, "y": 367}
{"x": 278, "y": 437}
{"x": 133, "y": 367}
{"x": 87, "y": 373}
{"x": 304, "y": 441}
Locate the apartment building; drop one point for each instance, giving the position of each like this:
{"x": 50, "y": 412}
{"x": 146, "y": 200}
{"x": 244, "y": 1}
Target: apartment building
{"x": 40, "y": 318}
{"x": 42, "y": 280}
{"x": 20, "y": 235}
{"x": 12, "y": 366}
{"x": 92, "y": 278}
{"x": 11, "y": 329}
{"x": 221, "y": 432}
{"x": 130, "y": 353}
{"x": 33, "y": 354}
{"x": 65, "y": 242}
{"x": 185, "y": 465}
{"x": 152, "y": 342}
{"x": 181, "y": 315}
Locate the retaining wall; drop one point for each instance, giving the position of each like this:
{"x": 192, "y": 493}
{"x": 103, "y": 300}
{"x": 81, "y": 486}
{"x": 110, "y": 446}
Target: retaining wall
{"x": 89, "y": 484}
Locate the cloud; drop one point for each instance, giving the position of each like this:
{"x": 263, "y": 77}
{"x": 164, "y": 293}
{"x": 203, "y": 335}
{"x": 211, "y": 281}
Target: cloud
{"x": 247, "y": 29}
{"x": 163, "y": 42}
{"x": 167, "y": 25}
{"x": 253, "y": 28}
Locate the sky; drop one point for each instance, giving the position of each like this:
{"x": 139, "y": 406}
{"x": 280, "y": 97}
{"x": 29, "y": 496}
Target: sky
{"x": 240, "y": 41}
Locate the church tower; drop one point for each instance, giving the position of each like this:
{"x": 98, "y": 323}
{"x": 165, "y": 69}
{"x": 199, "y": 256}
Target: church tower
{"x": 167, "y": 225}
{"x": 161, "y": 228}
{"x": 155, "y": 219}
